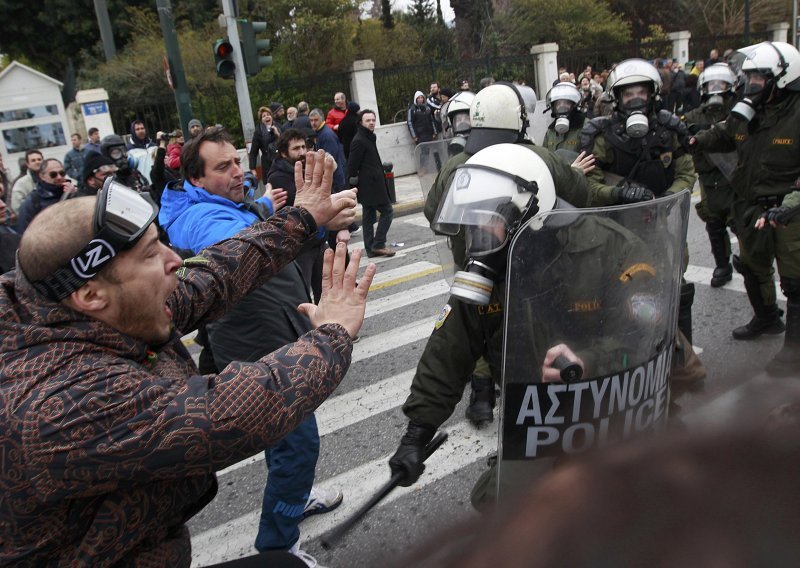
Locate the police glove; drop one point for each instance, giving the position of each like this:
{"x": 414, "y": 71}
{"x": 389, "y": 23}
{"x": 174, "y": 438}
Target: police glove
{"x": 624, "y": 194}
{"x": 780, "y": 215}
{"x": 409, "y": 457}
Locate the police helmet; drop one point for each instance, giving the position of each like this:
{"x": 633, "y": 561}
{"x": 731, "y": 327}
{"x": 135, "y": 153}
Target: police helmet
{"x": 633, "y": 72}
{"x": 778, "y": 61}
{"x": 563, "y": 98}
{"x": 716, "y": 79}
{"x": 455, "y": 112}
{"x": 499, "y": 113}
{"x": 502, "y": 186}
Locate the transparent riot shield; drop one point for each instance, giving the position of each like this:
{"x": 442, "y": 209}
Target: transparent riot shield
{"x": 600, "y": 287}
{"x": 429, "y": 158}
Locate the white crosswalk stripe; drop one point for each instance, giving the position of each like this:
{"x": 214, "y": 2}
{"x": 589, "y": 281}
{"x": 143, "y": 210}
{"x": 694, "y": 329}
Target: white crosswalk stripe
{"x": 400, "y": 284}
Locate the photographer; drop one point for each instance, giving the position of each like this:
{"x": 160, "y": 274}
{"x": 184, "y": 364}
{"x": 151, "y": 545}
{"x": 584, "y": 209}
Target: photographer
{"x": 163, "y": 172}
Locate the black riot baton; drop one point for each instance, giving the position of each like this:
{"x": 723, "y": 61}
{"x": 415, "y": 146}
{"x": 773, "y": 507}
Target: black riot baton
{"x": 570, "y": 372}
{"x": 340, "y": 531}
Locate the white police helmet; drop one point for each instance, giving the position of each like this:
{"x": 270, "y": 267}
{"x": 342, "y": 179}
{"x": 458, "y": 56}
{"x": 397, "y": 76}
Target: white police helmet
{"x": 776, "y": 58}
{"x": 633, "y": 72}
{"x": 716, "y": 79}
{"x": 499, "y": 113}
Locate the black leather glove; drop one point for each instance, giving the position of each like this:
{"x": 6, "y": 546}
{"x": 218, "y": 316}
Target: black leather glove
{"x": 780, "y": 215}
{"x": 409, "y": 457}
{"x": 627, "y": 193}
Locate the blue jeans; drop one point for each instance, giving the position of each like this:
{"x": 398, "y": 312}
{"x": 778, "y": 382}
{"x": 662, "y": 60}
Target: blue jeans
{"x": 291, "y": 464}
{"x": 376, "y": 240}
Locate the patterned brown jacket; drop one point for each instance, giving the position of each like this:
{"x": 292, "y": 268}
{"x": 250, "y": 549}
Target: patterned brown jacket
{"x": 109, "y": 445}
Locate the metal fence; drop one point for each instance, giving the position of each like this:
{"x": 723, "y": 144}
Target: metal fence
{"x": 603, "y": 57}
{"x": 700, "y": 47}
{"x": 395, "y": 86}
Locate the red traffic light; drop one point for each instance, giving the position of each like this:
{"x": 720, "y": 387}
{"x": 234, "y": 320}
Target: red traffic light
{"x": 223, "y": 48}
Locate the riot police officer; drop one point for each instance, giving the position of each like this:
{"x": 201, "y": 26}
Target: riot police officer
{"x": 499, "y": 113}
{"x": 764, "y": 129}
{"x": 455, "y": 121}
{"x": 641, "y": 153}
{"x": 489, "y": 198}
{"x": 716, "y": 85}
{"x": 568, "y": 120}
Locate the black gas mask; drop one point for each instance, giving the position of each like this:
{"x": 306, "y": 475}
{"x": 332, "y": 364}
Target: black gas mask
{"x": 635, "y": 110}
{"x": 562, "y": 110}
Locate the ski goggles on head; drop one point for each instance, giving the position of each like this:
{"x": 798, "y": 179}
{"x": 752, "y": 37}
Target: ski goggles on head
{"x": 121, "y": 217}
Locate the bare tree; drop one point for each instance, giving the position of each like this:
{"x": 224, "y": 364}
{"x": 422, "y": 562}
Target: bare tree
{"x": 726, "y": 17}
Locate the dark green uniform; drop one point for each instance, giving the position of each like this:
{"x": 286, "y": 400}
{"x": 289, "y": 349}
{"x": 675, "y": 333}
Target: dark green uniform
{"x": 657, "y": 161}
{"x": 716, "y": 193}
{"x": 570, "y": 140}
{"x": 769, "y": 163}
{"x": 464, "y": 332}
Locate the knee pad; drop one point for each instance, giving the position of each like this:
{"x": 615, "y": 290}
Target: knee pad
{"x": 791, "y": 288}
{"x": 740, "y": 266}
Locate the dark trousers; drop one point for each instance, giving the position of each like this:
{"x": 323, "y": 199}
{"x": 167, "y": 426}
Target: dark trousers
{"x": 376, "y": 239}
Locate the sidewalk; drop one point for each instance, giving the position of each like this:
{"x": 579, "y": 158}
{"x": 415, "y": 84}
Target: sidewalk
{"x": 409, "y": 197}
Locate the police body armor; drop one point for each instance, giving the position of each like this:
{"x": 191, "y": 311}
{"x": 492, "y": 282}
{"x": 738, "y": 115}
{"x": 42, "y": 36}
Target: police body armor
{"x": 648, "y": 161}
{"x": 605, "y": 283}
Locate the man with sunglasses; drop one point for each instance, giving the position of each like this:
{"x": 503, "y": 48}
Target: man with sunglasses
{"x": 53, "y": 186}
{"x": 110, "y": 435}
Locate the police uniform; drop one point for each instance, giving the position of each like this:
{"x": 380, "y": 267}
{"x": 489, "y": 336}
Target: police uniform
{"x": 570, "y": 140}
{"x": 465, "y": 332}
{"x": 716, "y": 194}
{"x": 768, "y": 148}
{"x": 658, "y": 161}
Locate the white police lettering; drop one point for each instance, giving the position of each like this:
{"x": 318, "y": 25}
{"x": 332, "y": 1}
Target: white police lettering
{"x": 94, "y": 257}
{"x": 548, "y": 419}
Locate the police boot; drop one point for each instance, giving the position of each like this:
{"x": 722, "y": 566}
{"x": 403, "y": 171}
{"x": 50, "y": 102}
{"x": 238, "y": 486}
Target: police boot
{"x": 786, "y": 362}
{"x": 767, "y": 319}
{"x": 720, "y": 248}
{"x": 685, "y": 310}
{"x": 481, "y": 401}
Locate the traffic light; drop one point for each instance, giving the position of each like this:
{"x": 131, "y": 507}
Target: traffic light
{"x": 253, "y": 62}
{"x": 223, "y": 56}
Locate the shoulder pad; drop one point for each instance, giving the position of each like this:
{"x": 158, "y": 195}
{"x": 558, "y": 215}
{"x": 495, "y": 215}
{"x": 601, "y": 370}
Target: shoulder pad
{"x": 591, "y": 130}
{"x": 664, "y": 117}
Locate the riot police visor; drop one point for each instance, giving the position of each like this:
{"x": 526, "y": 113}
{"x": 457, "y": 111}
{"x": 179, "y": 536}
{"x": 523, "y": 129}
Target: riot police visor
{"x": 563, "y": 106}
{"x": 477, "y": 194}
{"x": 717, "y": 87}
{"x": 634, "y": 97}
{"x": 755, "y": 82}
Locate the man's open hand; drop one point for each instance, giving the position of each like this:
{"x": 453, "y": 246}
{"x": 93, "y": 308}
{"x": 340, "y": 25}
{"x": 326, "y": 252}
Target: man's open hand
{"x": 342, "y": 301}
{"x": 314, "y": 188}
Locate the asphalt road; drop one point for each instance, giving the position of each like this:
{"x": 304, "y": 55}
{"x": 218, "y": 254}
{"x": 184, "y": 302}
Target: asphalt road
{"x": 361, "y": 423}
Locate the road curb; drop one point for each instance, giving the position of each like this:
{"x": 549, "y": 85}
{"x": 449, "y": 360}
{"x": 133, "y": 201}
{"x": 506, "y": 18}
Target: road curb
{"x": 400, "y": 209}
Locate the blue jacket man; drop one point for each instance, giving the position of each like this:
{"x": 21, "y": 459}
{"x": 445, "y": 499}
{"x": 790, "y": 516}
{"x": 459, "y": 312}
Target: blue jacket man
{"x": 195, "y": 218}
{"x": 328, "y": 140}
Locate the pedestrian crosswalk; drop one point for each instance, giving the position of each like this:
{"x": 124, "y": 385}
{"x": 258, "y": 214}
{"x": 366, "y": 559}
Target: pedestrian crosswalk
{"x": 405, "y": 298}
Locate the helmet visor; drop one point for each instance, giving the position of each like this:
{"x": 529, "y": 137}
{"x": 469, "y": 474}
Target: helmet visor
{"x": 483, "y": 197}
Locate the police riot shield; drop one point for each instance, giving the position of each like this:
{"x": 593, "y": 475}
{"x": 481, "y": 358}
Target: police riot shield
{"x": 590, "y": 322}
{"x": 429, "y": 157}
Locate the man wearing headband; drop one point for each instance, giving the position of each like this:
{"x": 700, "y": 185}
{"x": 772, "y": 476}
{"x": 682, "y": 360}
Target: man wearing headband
{"x": 110, "y": 435}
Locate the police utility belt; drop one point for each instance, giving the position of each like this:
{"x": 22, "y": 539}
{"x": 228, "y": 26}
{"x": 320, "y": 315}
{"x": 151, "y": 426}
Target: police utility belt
{"x": 768, "y": 201}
